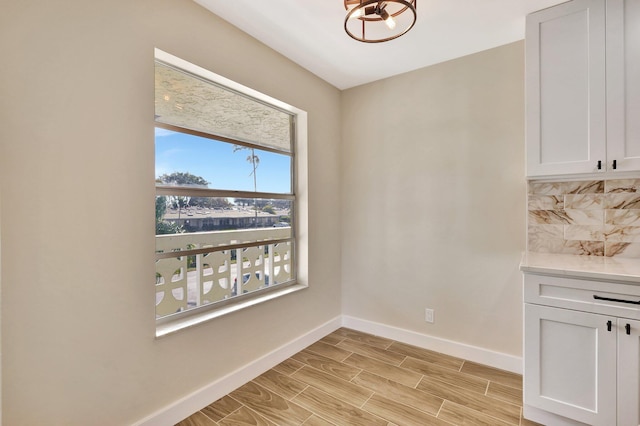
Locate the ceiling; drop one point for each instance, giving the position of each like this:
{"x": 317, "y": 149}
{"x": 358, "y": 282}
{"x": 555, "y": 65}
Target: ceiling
{"x": 311, "y": 33}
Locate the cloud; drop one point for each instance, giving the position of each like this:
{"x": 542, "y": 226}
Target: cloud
{"x": 163, "y": 132}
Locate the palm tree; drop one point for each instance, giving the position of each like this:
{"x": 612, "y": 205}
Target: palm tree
{"x": 255, "y": 161}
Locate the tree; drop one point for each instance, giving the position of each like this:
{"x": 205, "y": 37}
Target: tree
{"x": 186, "y": 178}
{"x": 162, "y": 226}
{"x": 269, "y": 209}
{"x": 183, "y": 178}
{"x": 255, "y": 161}
{"x": 286, "y": 219}
{"x": 161, "y": 207}
{"x": 257, "y": 203}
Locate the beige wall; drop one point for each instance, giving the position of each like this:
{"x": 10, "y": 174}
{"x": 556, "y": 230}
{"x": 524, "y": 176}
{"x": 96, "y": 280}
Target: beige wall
{"x": 77, "y": 181}
{"x": 434, "y": 199}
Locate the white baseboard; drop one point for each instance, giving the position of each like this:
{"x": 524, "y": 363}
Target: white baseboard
{"x": 199, "y": 399}
{"x": 448, "y": 347}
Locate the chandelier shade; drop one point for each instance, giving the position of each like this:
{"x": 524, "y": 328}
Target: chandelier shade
{"x": 376, "y": 21}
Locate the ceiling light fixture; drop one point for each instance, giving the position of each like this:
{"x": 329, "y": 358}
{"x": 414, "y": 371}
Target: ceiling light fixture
{"x": 365, "y": 16}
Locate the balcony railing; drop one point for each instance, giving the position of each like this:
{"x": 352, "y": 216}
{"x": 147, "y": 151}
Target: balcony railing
{"x": 197, "y": 269}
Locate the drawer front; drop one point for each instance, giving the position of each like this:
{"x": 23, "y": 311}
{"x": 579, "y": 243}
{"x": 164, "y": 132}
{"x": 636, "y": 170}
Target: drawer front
{"x": 583, "y": 295}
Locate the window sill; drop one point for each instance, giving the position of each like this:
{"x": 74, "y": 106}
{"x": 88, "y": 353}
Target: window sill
{"x": 181, "y": 323}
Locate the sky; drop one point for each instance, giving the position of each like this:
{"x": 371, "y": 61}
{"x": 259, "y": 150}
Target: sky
{"x": 217, "y": 163}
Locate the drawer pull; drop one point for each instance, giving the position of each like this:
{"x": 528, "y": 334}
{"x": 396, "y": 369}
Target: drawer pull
{"x": 609, "y": 324}
{"x": 628, "y": 328}
{"x": 595, "y": 296}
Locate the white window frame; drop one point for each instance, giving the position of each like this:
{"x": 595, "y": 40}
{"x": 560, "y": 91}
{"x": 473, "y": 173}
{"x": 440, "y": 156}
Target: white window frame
{"x": 173, "y": 323}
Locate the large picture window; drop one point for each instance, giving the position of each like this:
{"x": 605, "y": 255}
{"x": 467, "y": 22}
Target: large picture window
{"x": 226, "y": 204}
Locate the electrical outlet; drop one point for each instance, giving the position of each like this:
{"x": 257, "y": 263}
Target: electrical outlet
{"x": 428, "y": 315}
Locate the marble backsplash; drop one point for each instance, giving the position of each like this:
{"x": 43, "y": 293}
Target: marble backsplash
{"x": 591, "y": 218}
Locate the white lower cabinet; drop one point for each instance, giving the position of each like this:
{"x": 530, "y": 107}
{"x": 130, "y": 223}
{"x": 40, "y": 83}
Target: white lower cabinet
{"x": 628, "y": 372}
{"x": 582, "y": 366}
{"x": 570, "y": 364}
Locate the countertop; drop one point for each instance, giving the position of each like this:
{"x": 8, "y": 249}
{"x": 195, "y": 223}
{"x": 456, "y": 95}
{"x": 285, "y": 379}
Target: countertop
{"x": 593, "y": 267}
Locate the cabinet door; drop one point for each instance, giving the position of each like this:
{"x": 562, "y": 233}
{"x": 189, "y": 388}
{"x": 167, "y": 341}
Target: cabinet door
{"x": 565, "y": 82}
{"x": 570, "y": 364}
{"x": 623, "y": 84}
{"x": 628, "y": 372}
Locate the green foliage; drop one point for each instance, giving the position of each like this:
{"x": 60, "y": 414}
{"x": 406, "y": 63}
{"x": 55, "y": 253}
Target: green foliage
{"x": 161, "y": 207}
{"x": 163, "y": 227}
{"x": 269, "y": 209}
{"x": 286, "y": 219}
{"x": 280, "y": 204}
{"x": 216, "y": 202}
{"x": 259, "y": 203}
{"x": 251, "y": 158}
{"x": 186, "y": 178}
{"x": 183, "y": 178}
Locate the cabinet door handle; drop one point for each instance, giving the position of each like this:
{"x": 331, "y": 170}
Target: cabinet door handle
{"x": 599, "y": 165}
{"x": 595, "y": 296}
{"x": 628, "y": 328}
{"x": 615, "y": 164}
{"x": 609, "y": 324}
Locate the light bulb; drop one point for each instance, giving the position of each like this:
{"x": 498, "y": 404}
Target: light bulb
{"x": 363, "y": 11}
{"x": 391, "y": 23}
{"x": 358, "y": 13}
{"x": 388, "y": 19}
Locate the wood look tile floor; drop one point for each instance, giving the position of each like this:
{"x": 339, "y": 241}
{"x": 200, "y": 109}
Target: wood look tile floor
{"x": 353, "y": 378}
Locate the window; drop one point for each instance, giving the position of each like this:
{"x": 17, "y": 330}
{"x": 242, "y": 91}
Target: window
{"x": 228, "y": 212}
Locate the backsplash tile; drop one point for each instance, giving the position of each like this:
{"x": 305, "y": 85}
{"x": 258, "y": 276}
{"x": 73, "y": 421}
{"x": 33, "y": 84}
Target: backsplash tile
{"x": 585, "y": 217}
{"x": 622, "y": 234}
{"x": 583, "y": 233}
{"x": 562, "y": 188}
{"x": 622, "y": 217}
{"x": 623, "y": 249}
{"x": 622, "y": 185}
{"x": 584, "y": 201}
{"x": 622, "y": 201}
{"x": 548, "y": 217}
{"x": 589, "y": 218}
{"x": 546, "y": 202}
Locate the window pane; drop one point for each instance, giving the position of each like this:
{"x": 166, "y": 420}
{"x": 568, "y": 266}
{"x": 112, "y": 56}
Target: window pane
{"x": 221, "y": 165}
{"x": 194, "y": 103}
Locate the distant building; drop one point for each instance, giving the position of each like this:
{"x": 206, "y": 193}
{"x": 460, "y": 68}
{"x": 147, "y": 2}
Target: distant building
{"x": 202, "y": 219}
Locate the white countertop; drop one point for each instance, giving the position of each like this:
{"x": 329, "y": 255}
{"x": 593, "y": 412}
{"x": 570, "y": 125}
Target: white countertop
{"x": 594, "y": 267}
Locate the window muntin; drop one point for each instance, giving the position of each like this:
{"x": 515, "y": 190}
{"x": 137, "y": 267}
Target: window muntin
{"x": 225, "y": 241}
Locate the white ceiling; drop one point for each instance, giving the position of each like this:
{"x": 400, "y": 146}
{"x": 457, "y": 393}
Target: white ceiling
{"x": 311, "y": 33}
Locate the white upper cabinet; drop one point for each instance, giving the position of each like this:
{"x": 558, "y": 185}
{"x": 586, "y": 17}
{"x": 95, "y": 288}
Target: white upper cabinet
{"x": 583, "y": 88}
{"x": 566, "y": 117}
{"x": 623, "y": 84}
